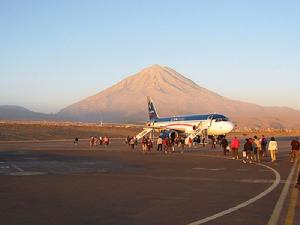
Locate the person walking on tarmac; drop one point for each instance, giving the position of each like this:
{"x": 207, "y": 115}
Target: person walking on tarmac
{"x": 235, "y": 144}
{"x": 263, "y": 143}
{"x": 295, "y": 150}
{"x": 248, "y": 149}
{"x": 213, "y": 143}
{"x": 273, "y": 148}
{"x": 256, "y": 149}
{"x": 132, "y": 143}
{"x": 159, "y": 144}
{"x": 224, "y": 144}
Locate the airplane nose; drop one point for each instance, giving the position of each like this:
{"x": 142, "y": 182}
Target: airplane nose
{"x": 230, "y": 126}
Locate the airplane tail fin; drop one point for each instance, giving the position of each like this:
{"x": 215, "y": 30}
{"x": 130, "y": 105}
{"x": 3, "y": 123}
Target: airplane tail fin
{"x": 151, "y": 109}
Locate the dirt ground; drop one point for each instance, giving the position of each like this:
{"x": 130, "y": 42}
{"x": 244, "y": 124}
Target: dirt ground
{"x": 33, "y": 130}
{"x": 15, "y": 131}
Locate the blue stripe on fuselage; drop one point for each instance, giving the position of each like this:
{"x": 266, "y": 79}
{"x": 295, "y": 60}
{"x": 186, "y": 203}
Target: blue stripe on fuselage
{"x": 189, "y": 118}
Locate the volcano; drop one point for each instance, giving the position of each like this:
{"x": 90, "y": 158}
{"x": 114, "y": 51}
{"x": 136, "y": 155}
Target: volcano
{"x": 173, "y": 94}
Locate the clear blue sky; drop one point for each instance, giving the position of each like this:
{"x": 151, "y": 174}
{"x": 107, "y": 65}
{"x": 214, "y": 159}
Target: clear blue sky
{"x": 54, "y": 53}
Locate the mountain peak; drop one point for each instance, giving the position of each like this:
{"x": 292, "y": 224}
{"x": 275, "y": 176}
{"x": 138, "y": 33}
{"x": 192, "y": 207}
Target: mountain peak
{"x": 154, "y": 69}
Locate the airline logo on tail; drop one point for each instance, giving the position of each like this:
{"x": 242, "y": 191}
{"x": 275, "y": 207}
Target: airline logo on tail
{"x": 151, "y": 109}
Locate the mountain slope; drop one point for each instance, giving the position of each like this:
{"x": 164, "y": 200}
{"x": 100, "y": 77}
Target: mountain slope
{"x": 172, "y": 94}
{"x": 12, "y": 112}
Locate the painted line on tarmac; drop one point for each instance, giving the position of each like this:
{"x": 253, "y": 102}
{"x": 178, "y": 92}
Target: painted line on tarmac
{"x": 246, "y": 203}
{"x": 208, "y": 169}
{"x": 242, "y": 170}
{"x": 289, "y": 220}
{"x": 16, "y": 167}
{"x": 279, "y": 205}
{"x": 27, "y": 173}
{"x": 4, "y": 167}
{"x": 264, "y": 170}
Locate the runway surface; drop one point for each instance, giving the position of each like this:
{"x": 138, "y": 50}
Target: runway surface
{"x": 56, "y": 182}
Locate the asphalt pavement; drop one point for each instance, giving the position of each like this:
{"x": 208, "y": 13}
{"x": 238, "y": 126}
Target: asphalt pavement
{"x": 57, "y": 183}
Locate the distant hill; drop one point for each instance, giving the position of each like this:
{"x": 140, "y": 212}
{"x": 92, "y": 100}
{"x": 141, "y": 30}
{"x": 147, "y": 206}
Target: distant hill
{"x": 13, "y": 112}
{"x": 173, "y": 94}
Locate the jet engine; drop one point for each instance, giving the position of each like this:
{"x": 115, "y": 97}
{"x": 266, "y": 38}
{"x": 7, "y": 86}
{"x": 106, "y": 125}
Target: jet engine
{"x": 172, "y": 134}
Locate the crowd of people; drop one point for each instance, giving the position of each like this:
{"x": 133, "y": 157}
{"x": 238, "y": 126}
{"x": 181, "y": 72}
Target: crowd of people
{"x": 252, "y": 149}
{"x": 256, "y": 149}
{"x": 95, "y": 140}
{"x": 164, "y": 144}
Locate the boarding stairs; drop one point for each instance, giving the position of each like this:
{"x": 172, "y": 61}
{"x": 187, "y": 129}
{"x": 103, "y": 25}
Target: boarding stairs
{"x": 143, "y": 133}
{"x": 201, "y": 130}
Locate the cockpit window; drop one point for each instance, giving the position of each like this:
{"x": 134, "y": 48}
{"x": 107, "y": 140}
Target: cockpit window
{"x": 221, "y": 119}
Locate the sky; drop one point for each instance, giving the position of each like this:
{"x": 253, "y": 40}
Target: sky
{"x": 54, "y": 53}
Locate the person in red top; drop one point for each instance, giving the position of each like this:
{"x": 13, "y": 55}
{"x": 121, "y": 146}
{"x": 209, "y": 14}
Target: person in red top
{"x": 235, "y": 144}
{"x": 295, "y": 150}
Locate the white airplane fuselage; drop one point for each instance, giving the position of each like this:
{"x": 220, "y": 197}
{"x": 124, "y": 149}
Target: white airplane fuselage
{"x": 215, "y": 124}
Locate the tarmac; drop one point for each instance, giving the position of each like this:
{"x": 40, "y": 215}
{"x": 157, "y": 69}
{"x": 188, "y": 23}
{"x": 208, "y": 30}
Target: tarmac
{"x": 57, "y": 183}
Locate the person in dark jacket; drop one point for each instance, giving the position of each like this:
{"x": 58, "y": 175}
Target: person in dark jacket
{"x": 224, "y": 144}
{"x": 295, "y": 150}
{"x": 248, "y": 149}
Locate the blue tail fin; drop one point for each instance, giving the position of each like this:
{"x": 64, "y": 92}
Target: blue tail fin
{"x": 151, "y": 109}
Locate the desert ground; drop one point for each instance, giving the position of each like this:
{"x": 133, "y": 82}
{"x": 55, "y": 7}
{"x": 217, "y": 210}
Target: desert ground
{"x": 44, "y": 130}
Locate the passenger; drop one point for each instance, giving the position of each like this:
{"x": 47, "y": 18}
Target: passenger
{"x": 213, "y": 142}
{"x": 176, "y": 141}
{"x": 149, "y": 144}
{"x": 295, "y": 150}
{"x": 247, "y": 152}
{"x": 100, "y": 140}
{"x": 224, "y": 144}
{"x": 203, "y": 142}
{"x": 96, "y": 141}
{"x": 135, "y": 140}
{"x": 190, "y": 142}
{"x": 91, "y": 140}
{"x": 106, "y": 141}
{"x": 263, "y": 144}
{"x": 235, "y": 144}
{"x": 159, "y": 144}
{"x": 172, "y": 146}
{"x": 273, "y": 148}
{"x": 132, "y": 143}
{"x": 298, "y": 181}
{"x": 76, "y": 141}
{"x": 144, "y": 144}
{"x": 167, "y": 146}
{"x": 244, "y": 155}
{"x": 127, "y": 140}
{"x": 182, "y": 143}
{"x": 256, "y": 149}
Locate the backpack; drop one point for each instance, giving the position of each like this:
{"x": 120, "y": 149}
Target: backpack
{"x": 263, "y": 141}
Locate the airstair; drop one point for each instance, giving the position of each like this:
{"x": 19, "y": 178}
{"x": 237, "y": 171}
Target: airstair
{"x": 143, "y": 133}
{"x": 201, "y": 130}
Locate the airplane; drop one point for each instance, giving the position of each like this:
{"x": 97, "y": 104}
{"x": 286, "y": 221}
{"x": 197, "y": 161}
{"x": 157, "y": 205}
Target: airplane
{"x": 188, "y": 126}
